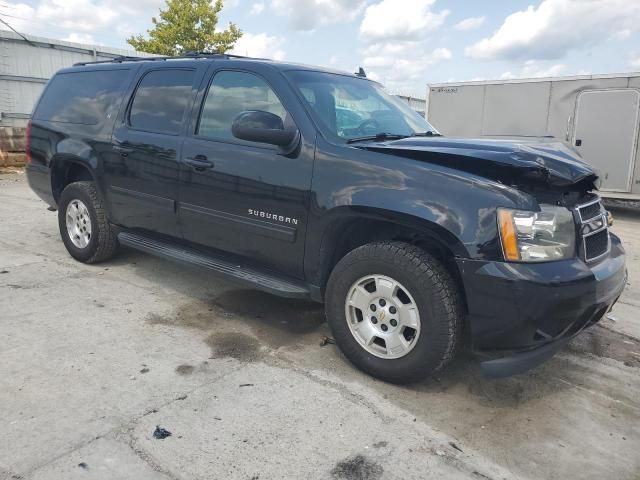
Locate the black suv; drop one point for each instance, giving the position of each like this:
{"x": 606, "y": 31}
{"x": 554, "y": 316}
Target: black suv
{"x": 315, "y": 184}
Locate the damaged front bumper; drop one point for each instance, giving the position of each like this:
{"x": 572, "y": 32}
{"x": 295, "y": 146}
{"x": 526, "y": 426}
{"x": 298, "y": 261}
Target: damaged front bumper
{"x": 528, "y": 312}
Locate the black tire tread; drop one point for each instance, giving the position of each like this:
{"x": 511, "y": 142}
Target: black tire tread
{"x": 430, "y": 275}
{"x": 107, "y": 243}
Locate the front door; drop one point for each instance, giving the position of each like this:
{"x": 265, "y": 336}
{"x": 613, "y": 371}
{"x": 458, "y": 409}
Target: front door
{"x": 240, "y": 197}
{"x": 606, "y": 129}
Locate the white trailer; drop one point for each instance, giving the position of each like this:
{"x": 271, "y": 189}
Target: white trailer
{"x": 597, "y": 115}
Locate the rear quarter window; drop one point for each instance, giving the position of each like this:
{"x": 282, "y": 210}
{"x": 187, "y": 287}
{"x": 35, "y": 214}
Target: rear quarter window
{"x": 85, "y": 98}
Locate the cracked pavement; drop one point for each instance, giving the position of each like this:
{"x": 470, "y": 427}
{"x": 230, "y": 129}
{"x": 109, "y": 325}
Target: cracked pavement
{"x": 93, "y": 358}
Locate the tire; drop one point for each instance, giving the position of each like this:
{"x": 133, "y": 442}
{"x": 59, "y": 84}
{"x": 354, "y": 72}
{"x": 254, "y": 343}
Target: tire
{"x": 101, "y": 241}
{"x": 421, "y": 282}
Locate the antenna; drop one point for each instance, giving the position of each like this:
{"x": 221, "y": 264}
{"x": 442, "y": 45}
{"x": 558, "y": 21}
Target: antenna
{"x": 15, "y": 31}
{"x": 361, "y": 73}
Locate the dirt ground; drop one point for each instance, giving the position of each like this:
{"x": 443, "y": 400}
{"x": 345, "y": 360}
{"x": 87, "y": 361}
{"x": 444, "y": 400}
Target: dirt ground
{"x": 94, "y": 358}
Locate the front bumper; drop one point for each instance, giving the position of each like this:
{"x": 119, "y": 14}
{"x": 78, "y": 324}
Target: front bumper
{"x": 531, "y": 310}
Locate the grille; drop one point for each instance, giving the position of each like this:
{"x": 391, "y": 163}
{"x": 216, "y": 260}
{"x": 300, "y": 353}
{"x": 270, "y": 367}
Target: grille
{"x": 590, "y": 210}
{"x": 596, "y": 245}
{"x": 593, "y": 229}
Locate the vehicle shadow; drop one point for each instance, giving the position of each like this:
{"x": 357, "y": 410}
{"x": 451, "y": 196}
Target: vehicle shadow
{"x": 464, "y": 376}
{"x": 214, "y": 302}
{"x": 232, "y": 318}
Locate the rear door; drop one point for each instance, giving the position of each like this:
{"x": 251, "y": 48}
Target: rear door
{"x": 247, "y": 198}
{"x": 605, "y": 134}
{"x": 141, "y": 170}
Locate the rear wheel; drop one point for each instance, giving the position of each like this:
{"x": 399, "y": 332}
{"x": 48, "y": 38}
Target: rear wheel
{"x": 394, "y": 311}
{"x": 83, "y": 224}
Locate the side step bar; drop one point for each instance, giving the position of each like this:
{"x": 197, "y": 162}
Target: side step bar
{"x": 244, "y": 274}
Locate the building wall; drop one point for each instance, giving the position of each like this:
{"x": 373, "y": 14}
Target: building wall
{"x": 417, "y": 104}
{"x": 27, "y": 65}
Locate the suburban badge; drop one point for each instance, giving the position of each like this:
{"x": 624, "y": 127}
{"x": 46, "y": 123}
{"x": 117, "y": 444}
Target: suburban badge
{"x": 273, "y": 216}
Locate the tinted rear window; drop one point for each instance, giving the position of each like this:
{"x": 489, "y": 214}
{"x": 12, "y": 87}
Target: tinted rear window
{"x": 85, "y": 98}
{"x": 161, "y": 100}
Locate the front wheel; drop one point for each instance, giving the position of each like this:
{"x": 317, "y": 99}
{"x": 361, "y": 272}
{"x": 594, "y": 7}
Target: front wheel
{"x": 394, "y": 311}
{"x": 83, "y": 224}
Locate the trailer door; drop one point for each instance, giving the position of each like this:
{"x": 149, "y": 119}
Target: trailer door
{"x": 605, "y": 133}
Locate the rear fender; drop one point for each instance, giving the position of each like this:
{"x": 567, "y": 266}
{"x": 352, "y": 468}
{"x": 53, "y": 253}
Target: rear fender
{"x": 60, "y": 165}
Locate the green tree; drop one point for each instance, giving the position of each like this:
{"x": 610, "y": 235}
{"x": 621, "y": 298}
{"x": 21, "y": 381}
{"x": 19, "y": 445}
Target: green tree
{"x": 187, "y": 26}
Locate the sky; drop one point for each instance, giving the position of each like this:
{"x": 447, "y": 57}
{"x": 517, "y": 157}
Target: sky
{"x": 405, "y": 44}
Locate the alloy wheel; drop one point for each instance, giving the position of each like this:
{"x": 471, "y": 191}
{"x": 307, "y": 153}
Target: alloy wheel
{"x": 382, "y": 316}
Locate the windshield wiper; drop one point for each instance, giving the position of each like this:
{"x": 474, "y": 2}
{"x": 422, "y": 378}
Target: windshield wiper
{"x": 428, "y": 133}
{"x": 377, "y": 136}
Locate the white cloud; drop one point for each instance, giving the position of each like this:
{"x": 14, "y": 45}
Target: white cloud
{"x": 535, "y": 69}
{"x": 61, "y": 18}
{"x": 439, "y": 54}
{"x": 257, "y": 8}
{"x": 308, "y": 14}
{"x": 259, "y": 45}
{"x": 399, "y": 56}
{"x": 635, "y": 61}
{"x": 622, "y": 34}
{"x": 23, "y": 16}
{"x": 396, "y": 43}
{"x": 469, "y": 23}
{"x": 555, "y": 27}
{"x": 374, "y": 76}
{"x": 76, "y": 15}
{"x": 399, "y": 66}
{"x": 112, "y": 19}
{"x": 80, "y": 38}
{"x": 387, "y": 21}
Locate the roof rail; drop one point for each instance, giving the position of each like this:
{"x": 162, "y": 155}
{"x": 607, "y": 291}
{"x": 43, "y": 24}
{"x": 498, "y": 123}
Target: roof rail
{"x": 188, "y": 55}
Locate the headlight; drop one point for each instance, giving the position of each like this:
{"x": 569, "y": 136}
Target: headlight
{"x": 537, "y": 236}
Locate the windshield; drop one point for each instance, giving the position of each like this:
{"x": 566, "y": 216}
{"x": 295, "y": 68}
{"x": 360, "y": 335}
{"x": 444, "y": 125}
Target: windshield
{"x": 350, "y": 107}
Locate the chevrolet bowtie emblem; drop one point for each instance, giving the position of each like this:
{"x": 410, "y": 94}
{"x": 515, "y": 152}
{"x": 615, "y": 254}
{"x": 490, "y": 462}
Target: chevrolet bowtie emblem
{"x": 381, "y": 315}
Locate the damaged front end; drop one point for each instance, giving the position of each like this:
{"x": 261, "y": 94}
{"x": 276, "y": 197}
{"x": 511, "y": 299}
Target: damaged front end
{"x": 559, "y": 270}
{"x": 548, "y": 170}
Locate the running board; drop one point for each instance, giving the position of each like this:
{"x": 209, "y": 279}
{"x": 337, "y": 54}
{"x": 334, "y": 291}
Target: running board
{"x": 246, "y": 275}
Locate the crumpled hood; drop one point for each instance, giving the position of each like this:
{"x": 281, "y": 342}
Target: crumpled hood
{"x": 540, "y": 160}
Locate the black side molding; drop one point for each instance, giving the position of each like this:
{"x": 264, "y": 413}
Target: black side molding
{"x": 145, "y": 199}
{"x": 247, "y": 275}
{"x": 230, "y": 220}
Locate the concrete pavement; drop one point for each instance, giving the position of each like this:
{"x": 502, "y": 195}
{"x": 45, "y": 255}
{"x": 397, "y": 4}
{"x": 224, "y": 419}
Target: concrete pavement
{"x": 93, "y": 358}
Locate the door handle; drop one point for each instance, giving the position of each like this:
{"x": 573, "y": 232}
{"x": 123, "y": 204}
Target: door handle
{"x": 199, "y": 163}
{"x": 124, "y": 151}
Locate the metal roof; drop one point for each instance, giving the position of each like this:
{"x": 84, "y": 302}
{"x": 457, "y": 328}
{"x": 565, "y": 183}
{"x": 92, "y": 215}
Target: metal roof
{"x": 535, "y": 80}
{"x": 8, "y": 36}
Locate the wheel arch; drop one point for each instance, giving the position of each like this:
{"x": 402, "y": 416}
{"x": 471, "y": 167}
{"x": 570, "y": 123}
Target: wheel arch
{"x": 66, "y": 169}
{"x": 367, "y": 225}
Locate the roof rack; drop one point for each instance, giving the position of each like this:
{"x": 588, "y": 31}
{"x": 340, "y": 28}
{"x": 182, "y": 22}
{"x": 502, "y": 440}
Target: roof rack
{"x": 188, "y": 55}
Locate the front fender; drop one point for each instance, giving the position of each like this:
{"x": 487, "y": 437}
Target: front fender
{"x": 457, "y": 207}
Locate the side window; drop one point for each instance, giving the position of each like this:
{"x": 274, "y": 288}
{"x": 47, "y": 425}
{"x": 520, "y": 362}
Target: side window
{"x": 85, "y": 97}
{"x": 161, "y": 100}
{"x": 231, "y": 93}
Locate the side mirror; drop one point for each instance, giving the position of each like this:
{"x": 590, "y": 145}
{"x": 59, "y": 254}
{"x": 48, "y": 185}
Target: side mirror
{"x": 264, "y": 127}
